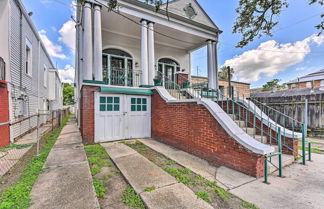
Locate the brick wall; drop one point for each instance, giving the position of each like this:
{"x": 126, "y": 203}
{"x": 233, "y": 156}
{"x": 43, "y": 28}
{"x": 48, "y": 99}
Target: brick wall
{"x": 191, "y": 128}
{"x": 4, "y": 114}
{"x": 87, "y": 113}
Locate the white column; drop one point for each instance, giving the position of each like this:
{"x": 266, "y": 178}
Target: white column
{"x": 144, "y": 54}
{"x": 210, "y": 63}
{"x": 216, "y": 83}
{"x": 97, "y": 44}
{"x": 87, "y": 43}
{"x": 151, "y": 54}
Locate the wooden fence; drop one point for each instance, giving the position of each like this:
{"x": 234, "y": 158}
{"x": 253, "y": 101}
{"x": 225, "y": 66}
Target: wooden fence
{"x": 292, "y": 103}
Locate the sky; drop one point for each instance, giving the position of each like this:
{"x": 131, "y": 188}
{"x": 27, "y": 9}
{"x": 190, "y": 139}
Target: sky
{"x": 293, "y": 50}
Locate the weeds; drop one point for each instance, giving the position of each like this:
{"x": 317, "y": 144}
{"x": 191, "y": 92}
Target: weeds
{"x": 99, "y": 187}
{"x": 15, "y": 146}
{"x": 203, "y": 195}
{"x": 150, "y": 189}
{"x": 132, "y": 199}
{"x": 248, "y": 205}
{"x": 17, "y": 196}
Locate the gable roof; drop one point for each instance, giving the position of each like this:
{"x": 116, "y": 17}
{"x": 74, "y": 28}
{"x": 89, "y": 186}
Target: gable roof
{"x": 177, "y": 7}
{"x": 318, "y": 75}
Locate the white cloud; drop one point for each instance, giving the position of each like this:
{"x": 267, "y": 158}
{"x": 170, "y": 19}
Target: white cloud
{"x": 67, "y": 74}
{"x": 271, "y": 57}
{"x": 67, "y": 34}
{"x": 52, "y": 49}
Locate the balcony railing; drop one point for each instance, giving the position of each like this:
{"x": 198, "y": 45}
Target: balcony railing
{"x": 122, "y": 77}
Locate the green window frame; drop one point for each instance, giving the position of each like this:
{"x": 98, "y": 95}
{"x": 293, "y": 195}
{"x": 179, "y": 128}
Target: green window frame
{"x": 109, "y": 103}
{"x": 138, "y": 104}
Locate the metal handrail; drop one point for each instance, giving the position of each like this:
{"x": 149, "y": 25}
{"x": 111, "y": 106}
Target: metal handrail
{"x": 171, "y": 86}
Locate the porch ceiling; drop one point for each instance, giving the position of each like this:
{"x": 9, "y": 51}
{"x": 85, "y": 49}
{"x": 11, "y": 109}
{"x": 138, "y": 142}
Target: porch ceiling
{"x": 123, "y": 24}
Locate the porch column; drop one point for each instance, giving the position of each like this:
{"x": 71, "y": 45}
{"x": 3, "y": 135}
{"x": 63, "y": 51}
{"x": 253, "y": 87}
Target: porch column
{"x": 144, "y": 54}
{"x": 215, "y": 64}
{"x": 87, "y": 42}
{"x": 151, "y": 54}
{"x": 97, "y": 44}
{"x": 210, "y": 62}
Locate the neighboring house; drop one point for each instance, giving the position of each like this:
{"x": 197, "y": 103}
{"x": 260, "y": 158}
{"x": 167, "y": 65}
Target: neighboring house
{"x": 121, "y": 55}
{"x": 27, "y": 69}
{"x": 311, "y": 80}
{"x": 240, "y": 89}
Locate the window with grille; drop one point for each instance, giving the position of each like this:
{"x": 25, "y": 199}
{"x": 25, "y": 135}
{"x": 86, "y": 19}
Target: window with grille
{"x": 109, "y": 104}
{"x": 138, "y": 104}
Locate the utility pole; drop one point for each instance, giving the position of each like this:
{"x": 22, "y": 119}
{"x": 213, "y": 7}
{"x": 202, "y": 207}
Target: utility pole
{"x": 197, "y": 70}
{"x": 229, "y": 81}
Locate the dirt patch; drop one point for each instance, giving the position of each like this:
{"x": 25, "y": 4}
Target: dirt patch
{"x": 13, "y": 175}
{"x": 209, "y": 191}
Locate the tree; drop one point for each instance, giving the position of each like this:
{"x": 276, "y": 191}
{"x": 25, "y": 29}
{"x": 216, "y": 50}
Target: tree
{"x": 256, "y": 18}
{"x": 223, "y": 74}
{"x": 273, "y": 84}
{"x": 68, "y": 94}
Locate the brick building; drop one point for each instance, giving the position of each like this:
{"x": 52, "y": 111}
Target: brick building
{"x": 131, "y": 83}
{"x": 312, "y": 80}
{"x": 240, "y": 88}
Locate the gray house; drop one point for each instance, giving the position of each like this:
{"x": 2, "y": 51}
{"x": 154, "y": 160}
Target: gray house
{"x": 28, "y": 69}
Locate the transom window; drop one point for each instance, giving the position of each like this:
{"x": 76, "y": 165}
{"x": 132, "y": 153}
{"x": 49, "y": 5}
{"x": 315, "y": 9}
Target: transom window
{"x": 109, "y": 104}
{"x": 138, "y": 104}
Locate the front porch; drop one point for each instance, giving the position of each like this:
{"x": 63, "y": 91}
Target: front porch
{"x": 124, "y": 49}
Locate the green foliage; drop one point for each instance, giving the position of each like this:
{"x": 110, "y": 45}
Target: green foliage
{"x": 248, "y": 205}
{"x": 222, "y": 193}
{"x": 314, "y": 150}
{"x": 258, "y": 18}
{"x": 179, "y": 174}
{"x": 17, "y": 196}
{"x": 223, "y": 74}
{"x": 203, "y": 195}
{"x": 273, "y": 84}
{"x": 99, "y": 187}
{"x": 68, "y": 94}
{"x": 15, "y": 146}
{"x": 150, "y": 189}
{"x": 132, "y": 199}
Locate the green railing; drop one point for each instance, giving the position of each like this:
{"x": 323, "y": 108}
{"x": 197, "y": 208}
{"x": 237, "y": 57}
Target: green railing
{"x": 169, "y": 84}
{"x": 122, "y": 77}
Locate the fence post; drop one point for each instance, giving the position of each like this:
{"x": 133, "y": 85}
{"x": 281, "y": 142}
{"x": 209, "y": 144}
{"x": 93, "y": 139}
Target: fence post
{"x": 303, "y": 144}
{"x": 37, "y": 134}
{"x": 306, "y": 117}
{"x": 265, "y": 169}
{"x": 280, "y": 151}
{"x": 309, "y": 151}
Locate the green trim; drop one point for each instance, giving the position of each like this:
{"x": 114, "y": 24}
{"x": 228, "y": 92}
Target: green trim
{"x": 93, "y": 82}
{"x": 126, "y": 91}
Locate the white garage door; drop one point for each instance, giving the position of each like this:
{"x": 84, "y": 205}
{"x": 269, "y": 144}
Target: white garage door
{"x": 119, "y": 116}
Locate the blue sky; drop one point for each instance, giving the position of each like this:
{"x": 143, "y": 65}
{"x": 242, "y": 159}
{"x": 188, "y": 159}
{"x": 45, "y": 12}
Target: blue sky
{"x": 292, "y": 51}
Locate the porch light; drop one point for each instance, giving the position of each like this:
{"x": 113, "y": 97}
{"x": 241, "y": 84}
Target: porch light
{"x": 2, "y": 69}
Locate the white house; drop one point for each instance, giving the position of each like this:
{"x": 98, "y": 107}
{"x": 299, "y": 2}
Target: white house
{"x": 32, "y": 82}
{"x": 122, "y": 54}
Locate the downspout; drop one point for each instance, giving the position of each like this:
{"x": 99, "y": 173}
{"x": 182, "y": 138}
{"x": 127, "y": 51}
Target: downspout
{"x": 20, "y": 47}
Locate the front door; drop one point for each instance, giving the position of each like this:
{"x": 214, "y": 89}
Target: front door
{"x": 119, "y": 116}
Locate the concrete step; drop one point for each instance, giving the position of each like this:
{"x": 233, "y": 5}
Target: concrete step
{"x": 250, "y": 131}
{"x": 286, "y": 160}
{"x": 262, "y": 139}
{"x": 240, "y": 123}
{"x": 232, "y": 116}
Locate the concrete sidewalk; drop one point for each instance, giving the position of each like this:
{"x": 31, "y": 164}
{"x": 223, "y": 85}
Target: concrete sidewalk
{"x": 9, "y": 158}
{"x": 302, "y": 187}
{"x": 66, "y": 181}
{"x": 142, "y": 173}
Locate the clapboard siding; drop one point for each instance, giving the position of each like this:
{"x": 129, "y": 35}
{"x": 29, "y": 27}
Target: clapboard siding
{"x": 21, "y": 83}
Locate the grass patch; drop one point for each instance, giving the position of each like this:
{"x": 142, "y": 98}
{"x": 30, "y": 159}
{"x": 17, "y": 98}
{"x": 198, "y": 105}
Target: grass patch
{"x": 99, "y": 187}
{"x": 313, "y": 150}
{"x": 203, "y": 195}
{"x": 132, "y": 199}
{"x": 150, "y": 189}
{"x": 179, "y": 174}
{"x": 17, "y": 196}
{"x": 248, "y": 205}
{"x": 97, "y": 158}
{"x": 15, "y": 146}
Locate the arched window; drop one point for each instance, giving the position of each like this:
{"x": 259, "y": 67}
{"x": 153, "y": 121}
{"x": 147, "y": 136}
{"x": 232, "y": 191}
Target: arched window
{"x": 118, "y": 68}
{"x": 167, "y": 69}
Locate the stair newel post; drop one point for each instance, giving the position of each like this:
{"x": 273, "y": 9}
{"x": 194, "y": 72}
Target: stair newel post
{"x": 280, "y": 151}
{"x": 227, "y": 105}
{"x": 303, "y": 144}
{"x": 261, "y": 126}
{"x": 266, "y": 169}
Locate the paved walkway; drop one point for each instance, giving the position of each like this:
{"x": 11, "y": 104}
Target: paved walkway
{"x": 66, "y": 181}
{"x": 302, "y": 187}
{"x": 142, "y": 173}
{"x": 9, "y": 158}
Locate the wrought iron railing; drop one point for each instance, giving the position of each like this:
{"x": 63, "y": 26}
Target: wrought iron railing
{"x": 122, "y": 77}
